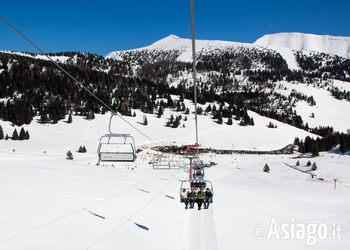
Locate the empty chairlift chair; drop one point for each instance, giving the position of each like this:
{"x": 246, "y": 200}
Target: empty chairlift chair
{"x": 116, "y": 147}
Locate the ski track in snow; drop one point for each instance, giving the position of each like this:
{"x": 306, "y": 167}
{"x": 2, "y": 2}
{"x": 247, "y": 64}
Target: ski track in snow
{"x": 52, "y": 194}
{"x": 199, "y": 231}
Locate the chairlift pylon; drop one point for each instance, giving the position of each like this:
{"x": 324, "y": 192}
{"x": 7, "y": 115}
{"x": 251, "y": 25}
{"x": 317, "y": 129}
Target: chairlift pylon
{"x": 116, "y": 147}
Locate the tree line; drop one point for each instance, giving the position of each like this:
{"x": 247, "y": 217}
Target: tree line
{"x": 23, "y": 135}
{"x": 325, "y": 143}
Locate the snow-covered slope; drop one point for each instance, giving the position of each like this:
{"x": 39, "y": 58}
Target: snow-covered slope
{"x": 335, "y": 45}
{"x": 48, "y": 202}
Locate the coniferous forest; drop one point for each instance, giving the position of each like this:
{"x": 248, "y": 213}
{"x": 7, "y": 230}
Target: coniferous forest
{"x": 32, "y": 87}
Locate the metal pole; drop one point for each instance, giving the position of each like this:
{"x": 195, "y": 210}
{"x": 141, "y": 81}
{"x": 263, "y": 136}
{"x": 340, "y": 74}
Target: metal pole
{"x": 190, "y": 169}
{"x": 194, "y": 69}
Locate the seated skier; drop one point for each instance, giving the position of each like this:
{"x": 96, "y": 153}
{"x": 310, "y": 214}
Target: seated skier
{"x": 184, "y": 197}
{"x": 192, "y": 196}
{"x": 200, "y": 198}
{"x": 207, "y": 199}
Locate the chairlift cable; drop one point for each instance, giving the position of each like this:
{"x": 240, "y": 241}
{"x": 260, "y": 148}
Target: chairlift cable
{"x": 75, "y": 80}
{"x": 194, "y": 69}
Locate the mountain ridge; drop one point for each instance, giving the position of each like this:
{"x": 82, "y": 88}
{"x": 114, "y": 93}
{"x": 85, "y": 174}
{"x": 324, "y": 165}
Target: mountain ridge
{"x": 284, "y": 43}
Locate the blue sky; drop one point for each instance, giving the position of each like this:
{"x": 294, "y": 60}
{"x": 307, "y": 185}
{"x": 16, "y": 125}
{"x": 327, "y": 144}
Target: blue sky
{"x": 100, "y": 27}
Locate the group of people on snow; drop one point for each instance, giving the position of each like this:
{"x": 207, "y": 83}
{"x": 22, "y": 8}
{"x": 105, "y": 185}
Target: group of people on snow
{"x": 200, "y": 197}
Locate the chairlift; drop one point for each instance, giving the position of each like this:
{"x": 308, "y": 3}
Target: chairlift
{"x": 196, "y": 178}
{"x": 116, "y": 147}
{"x": 196, "y": 184}
{"x": 198, "y": 169}
{"x": 160, "y": 162}
{"x": 163, "y": 162}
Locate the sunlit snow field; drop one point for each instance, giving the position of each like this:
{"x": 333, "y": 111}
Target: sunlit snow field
{"x": 48, "y": 202}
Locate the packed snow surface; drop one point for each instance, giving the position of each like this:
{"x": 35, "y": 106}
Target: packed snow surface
{"x": 48, "y": 202}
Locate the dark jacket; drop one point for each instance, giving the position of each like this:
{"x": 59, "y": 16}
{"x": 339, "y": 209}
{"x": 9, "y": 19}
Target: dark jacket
{"x": 192, "y": 195}
{"x": 208, "y": 194}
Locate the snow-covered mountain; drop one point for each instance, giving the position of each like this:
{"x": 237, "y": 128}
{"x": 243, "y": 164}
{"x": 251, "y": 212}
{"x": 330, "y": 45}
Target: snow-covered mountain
{"x": 49, "y": 202}
{"x": 283, "y": 43}
{"x": 264, "y": 79}
{"x": 336, "y": 45}
{"x": 182, "y": 46}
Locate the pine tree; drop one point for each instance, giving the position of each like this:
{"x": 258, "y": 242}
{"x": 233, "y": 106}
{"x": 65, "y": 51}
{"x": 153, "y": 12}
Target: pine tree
{"x": 252, "y": 122}
{"x": 1, "y": 133}
{"x": 15, "y": 135}
{"x": 314, "y": 167}
{"x": 229, "y": 121}
{"x": 176, "y": 122}
{"x": 145, "y": 122}
{"x": 343, "y": 145}
{"x": 298, "y": 163}
{"x": 315, "y": 149}
{"x": 91, "y": 115}
{"x": 54, "y": 117}
{"x": 22, "y": 134}
{"x": 43, "y": 118}
{"x": 178, "y": 107}
{"x": 208, "y": 109}
{"x": 27, "y": 136}
{"x": 308, "y": 164}
{"x": 82, "y": 149}
{"x": 170, "y": 101}
{"x": 70, "y": 119}
{"x": 160, "y": 112}
{"x": 266, "y": 168}
{"x": 219, "y": 118}
{"x": 69, "y": 155}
